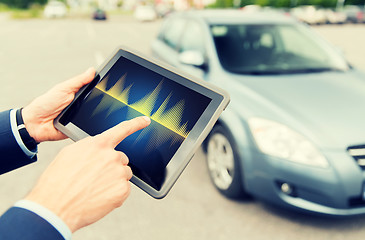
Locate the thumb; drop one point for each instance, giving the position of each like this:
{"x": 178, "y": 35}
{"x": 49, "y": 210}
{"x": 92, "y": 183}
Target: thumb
{"x": 75, "y": 83}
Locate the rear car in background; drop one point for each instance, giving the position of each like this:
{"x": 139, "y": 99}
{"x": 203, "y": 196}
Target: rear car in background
{"x": 99, "y": 14}
{"x": 310, "y": 14}
{"x": 145, "y": 13}
{"x": 294, "y": 132}
{"x": 354, "y": 14}
{"x": 55, "y": 9}
{"x": 335, "y": 17}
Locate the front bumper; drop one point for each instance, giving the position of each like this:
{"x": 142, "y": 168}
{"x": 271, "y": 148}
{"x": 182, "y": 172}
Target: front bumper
{"x": 337, "y": 190}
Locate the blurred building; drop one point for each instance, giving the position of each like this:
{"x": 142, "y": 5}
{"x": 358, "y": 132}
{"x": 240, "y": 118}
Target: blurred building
{"x": 85, "y": 5}
{"x": 178, "y": 5}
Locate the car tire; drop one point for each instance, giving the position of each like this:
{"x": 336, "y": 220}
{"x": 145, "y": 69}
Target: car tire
{"x": 223, "y": 163}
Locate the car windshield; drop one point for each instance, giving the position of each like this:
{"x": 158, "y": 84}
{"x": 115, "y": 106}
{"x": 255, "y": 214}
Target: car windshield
{"x": 274, "y": 49}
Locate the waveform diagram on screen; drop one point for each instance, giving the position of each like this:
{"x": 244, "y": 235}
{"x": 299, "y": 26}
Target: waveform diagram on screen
{"x": 174, "y": 109}
{"x": 113, "y": 99}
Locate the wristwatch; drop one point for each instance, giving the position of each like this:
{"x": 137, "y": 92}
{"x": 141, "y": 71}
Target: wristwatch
{"x": 28, "y": 141}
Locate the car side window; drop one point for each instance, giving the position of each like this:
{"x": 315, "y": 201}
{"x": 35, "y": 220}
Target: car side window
{"x": 193, "y": 38}
{"x": 172, "y": 32}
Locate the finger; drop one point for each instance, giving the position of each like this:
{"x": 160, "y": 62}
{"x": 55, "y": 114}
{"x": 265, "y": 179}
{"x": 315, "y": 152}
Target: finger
{"x": 124, "y": 158}
{"x": 128, "y": 172}
{"x": 58, "y": 136}
{"x": 75, "y": 83}
{"x": 116, "y": 134}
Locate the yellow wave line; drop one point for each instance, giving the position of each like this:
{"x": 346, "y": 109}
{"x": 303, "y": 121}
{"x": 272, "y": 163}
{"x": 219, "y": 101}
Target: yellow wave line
{"x": 171, "y": 118}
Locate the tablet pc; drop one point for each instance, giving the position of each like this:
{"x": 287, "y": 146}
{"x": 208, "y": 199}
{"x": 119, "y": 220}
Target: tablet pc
{"x": 182, "y": 110}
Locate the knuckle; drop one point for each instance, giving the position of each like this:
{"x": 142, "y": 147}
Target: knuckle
{"x": 128, "y": 173}
{"x": 124, "y": 158}
{"x": 113, "y": 157}
{"x": 118, "y": 202}
{"x": 117, "y": 157}
{"x": 127, "y": 189}
{"x": 123, "y": 193}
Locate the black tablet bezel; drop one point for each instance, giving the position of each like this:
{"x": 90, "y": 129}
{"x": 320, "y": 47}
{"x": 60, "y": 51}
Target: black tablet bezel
{"x": 219, "y": 100}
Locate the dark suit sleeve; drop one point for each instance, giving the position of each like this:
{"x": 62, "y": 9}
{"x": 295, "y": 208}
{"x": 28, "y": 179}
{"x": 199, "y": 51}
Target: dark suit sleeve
{"x": 11, "y": 155}
{"x": 21, "y": 224}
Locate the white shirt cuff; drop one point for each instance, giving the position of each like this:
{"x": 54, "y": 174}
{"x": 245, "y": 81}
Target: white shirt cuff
{"x": 47, "y": 215}
{"x": 14, "y": 129}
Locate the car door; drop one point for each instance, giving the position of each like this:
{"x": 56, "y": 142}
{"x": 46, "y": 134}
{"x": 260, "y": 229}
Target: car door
{"x": 165, "y": 47}
{"x": 192, "y": 39}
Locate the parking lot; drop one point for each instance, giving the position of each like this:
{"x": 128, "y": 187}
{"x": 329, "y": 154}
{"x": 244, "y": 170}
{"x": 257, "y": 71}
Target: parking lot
{"x": 37, "y": 54}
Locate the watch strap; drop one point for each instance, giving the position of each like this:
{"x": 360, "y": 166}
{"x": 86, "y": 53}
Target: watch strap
{"x": 28, "y": 141}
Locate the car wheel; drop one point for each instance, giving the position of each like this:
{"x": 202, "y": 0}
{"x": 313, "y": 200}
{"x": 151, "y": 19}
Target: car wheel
{"x": 223, "y": 165}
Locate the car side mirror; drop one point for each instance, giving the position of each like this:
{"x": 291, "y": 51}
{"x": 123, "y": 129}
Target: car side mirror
{"x": 193, "y": 58}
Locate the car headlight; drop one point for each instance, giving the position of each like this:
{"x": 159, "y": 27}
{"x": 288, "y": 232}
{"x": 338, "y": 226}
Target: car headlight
{"x": 279, "y": 140}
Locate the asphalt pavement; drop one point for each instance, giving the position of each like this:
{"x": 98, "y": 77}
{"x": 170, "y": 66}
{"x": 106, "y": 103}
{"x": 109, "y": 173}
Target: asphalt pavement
{"x": 37, "y": 54}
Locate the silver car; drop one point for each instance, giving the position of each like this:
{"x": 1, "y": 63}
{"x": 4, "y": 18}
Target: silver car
{"x": 294, "y": 133}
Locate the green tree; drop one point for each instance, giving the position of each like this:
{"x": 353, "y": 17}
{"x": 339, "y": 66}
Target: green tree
{"x": 355, "y": 2}
{"x": 281, "y": 3}
{"x": 263, "y": 2}
{"x": 329, "y": 3}
{"x": 222, "y": 4}
{"x": 22, "y": 3}
{"x": 274, "y": 3}
{"x": 247, "y": 2}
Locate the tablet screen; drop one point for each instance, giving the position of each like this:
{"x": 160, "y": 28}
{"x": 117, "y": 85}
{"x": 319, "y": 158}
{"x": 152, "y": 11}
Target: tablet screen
{"x": 129, "y": 90}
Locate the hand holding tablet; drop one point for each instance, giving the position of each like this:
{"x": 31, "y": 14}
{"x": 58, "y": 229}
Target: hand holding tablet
{"x": 182, "y": 111}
